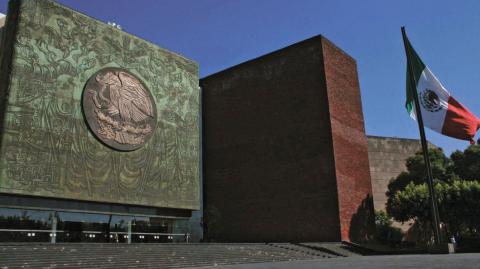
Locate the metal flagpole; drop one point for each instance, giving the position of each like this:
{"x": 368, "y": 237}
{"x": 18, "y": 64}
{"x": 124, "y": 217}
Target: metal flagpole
{"x": 433, "y": 200}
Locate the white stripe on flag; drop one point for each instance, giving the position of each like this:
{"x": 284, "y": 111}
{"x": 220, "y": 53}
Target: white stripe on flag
{"x": 433, "y": 119}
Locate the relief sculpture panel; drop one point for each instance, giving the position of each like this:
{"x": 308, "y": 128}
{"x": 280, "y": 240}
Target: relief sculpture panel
{"x": 94, "y": 113}
{"x": 119, "y": 110}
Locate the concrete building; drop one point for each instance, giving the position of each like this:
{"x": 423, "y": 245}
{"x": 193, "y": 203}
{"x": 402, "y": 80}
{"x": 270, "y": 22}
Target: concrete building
{"x": 2, "y": 24}
{"x": 285, "y": 153}
{"x": 100, "y": 137}
{"x": 387, "y": 157}
{"x": 2, "y": 20}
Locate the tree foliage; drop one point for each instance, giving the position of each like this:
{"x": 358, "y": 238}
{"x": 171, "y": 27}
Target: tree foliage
{"x": 411, "y": 203}
{"x": 467, "y": 164}
{"x": 416, "y": 171}
{"x": 458, "y": 203}
{"x": 385, "y": 233}
{"x": 457, "y": 187}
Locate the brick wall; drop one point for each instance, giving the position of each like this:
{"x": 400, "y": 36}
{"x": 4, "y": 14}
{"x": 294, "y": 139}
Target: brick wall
{"x": 349, "y": 144}
{"x": 270, "y": 170}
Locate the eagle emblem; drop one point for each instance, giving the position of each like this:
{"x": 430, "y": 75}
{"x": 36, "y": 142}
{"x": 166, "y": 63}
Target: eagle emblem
{"x": 119, "y": 109}
{"x": 430, "y": 100}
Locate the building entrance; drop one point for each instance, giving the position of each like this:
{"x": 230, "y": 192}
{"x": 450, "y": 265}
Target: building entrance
{"x": 26, "y": 225}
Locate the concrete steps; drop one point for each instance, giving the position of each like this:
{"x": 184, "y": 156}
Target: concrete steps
{"x": 83, "y": 255}
{"x": 341, "y": 249}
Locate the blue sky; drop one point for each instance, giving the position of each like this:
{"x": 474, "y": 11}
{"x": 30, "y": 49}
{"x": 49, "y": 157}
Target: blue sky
{"x": 221, "y": 33}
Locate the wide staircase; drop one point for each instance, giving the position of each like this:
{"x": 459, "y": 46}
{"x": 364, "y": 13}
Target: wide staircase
{"x": 83, "y": 255}
{"x": 343, "y": 249}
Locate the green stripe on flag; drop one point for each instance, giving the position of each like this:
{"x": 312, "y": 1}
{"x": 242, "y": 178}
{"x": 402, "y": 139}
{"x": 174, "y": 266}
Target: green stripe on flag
{"x": 417, "y": 67}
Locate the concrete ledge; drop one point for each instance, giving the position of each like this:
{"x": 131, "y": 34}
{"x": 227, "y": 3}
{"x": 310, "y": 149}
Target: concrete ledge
{"x": 443, "y": 248}
{"x": 2, "y": 20}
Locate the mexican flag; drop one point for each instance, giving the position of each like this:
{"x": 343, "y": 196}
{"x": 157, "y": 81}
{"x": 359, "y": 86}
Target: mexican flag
{"x": 440, "y": 111}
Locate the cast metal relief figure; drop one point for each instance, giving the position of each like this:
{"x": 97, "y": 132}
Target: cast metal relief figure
{"x": 119, "y": 109}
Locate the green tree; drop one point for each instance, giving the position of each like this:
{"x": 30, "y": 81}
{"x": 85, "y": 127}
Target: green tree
{"x": 457, "y": 187}
{"x": 458, "y": 202}
{"x": 416, "y": 171}
{"x": 459, "y": 205}
{"x": 411, "y": 203}
{"x": 466, "y": 164}
{"x": 385, "y": 233}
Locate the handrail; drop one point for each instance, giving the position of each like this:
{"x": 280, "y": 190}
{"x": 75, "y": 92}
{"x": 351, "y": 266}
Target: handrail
{"x": 88, "y": 232}
{"x": 31, "y": 230}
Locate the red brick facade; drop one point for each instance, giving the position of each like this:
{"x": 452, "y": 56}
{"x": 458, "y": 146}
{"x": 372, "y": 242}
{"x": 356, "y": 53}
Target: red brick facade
{"x": 350, "y": 148}
{"x": 285, "y": 152}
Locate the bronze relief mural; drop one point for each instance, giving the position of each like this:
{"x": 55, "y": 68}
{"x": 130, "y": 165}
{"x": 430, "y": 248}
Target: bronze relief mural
{"x": 119, "y": 109}
{"x": 74, "y": 82}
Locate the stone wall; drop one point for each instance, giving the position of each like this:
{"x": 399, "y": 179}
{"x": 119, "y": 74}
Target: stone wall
{"x": 387, "y": 157}
{"x": 2, "y": 23}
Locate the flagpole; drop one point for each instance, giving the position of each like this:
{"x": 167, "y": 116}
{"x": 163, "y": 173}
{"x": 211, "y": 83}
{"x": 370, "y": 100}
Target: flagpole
{"x": 433, "y": 200}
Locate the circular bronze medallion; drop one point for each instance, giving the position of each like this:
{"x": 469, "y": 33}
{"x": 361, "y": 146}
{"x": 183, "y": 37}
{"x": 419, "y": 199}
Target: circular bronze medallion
{"x": 119, "y": 109}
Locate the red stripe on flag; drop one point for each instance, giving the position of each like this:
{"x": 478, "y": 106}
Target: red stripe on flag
{"x": 460, "y": 122}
